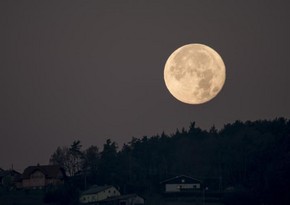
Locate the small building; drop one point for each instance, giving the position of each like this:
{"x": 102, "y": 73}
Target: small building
{"x": 181, "y": 183}
{"x": 12, "y": 177}
{"x": 130, "y": 199}
{"x": 40, "y": 176}
{"x": 98, "y": 193}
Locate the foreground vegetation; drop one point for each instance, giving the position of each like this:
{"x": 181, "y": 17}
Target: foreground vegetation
{"x": 21, "y": 197}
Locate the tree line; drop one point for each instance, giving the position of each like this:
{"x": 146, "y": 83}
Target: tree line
{"x": 251, "y": 156}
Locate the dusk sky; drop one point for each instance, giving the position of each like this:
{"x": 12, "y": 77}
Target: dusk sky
{"x": 93, "y": 70}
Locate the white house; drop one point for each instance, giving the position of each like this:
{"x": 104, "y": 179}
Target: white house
{"x": 98, "y": 193}
{"x": 181, "y": 183}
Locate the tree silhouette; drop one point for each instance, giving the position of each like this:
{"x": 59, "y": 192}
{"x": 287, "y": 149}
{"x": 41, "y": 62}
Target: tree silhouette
{"x": 252, "y": 156}
{"x": 68, "y": 158}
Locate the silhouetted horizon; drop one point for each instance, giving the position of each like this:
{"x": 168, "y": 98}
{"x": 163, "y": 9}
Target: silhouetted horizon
{"x": 119, "y": 147}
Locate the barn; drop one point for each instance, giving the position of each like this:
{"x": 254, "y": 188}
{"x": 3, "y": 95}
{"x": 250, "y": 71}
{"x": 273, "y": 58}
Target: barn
{"x": 181, "y": 183}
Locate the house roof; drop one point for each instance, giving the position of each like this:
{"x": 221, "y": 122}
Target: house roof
{"x": 16, "y": 176}
{"x": 12, "y": 172}
{"x": 96, "y": 189}
{"x": 180, "y": 177}
{"x": 50, "y": 171}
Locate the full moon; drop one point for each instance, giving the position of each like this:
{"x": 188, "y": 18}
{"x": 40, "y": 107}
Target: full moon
{"x": 194, "y": 73}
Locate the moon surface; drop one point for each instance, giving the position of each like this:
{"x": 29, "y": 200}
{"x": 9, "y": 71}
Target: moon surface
{"x": 194, "y": 73}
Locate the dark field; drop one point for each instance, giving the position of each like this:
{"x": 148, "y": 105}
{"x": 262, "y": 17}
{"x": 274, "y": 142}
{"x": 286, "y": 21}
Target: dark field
{"x": 21, "y": 198}
{"x": 179, "y": 202}
{"x": 34, "y": 197}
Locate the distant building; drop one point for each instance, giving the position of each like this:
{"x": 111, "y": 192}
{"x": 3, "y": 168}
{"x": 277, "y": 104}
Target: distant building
{"x": 10, "y": 176}
{"x": 130, "y": 199}
{"x": 180, "y": 183}
{"x": 98, "y": 193}
{"x": 40, "y": 176}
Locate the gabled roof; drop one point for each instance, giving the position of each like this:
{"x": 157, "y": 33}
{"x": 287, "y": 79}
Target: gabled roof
{"x": 12, "y": 173}
{"x": 50, "y": 171}
{"x": 179, "y": 177}
{"x": 96, "y": 189}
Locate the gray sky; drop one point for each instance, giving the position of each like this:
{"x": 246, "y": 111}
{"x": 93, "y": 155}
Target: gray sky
{"x": 92, "y": 70}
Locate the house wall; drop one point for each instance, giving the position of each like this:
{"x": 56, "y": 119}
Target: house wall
{"x": 112, "y": 191}
{"x": 88, "y": 198}
{"x": 53, "y": 181}
{"x": 37, "y": 179}
{"x": 179, "y": 187}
